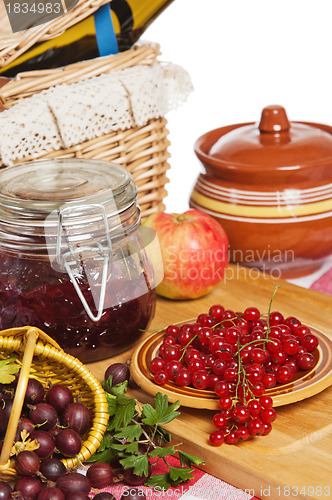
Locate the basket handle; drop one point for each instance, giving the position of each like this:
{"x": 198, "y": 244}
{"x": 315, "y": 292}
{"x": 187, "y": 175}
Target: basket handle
{"x": 32, "y": 336}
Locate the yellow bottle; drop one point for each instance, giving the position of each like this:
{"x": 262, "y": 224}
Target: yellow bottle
{"x": 130, "y": 19}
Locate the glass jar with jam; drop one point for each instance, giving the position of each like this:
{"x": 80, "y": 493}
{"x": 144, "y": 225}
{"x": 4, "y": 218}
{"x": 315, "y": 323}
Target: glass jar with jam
{"x": 72, "y": 257}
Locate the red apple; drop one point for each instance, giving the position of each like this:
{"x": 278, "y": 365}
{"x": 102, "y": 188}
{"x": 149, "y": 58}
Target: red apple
{"x": 194, "y": 252}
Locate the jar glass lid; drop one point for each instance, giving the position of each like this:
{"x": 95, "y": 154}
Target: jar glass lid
{"x": 46, "y": 185}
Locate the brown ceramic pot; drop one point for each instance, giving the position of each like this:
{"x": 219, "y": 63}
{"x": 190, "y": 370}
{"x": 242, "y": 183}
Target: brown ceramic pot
{"x": 269, "y": 184}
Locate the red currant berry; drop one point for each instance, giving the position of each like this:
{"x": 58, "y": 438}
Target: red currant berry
{"x": 291, "y": 346}
{"x": 209, "y": 361}
{"x": 228, "y": 318}
{"x": 216, "y": 312}
{"x": 205, "y": 320}
{"x": 213, "y": 380}
{"x": 254, "y": 377}
{"x": 217, "y": 438}
{"x": 240, "y": 414}
{"x": 279, "y": 357}
{"x": 231, "y": 374}
{"x": 275, "y": 332}
{"x": 173, "y": 352}
{"x": 301, "y": 331}
{"x": 226, "y": 352}
{"x": 195, "y": 364}
{"x": 256, "y": 426}
{"x": 267, "y": 429}
{"x": 183, "y": 377}
{"x": 292, "y": 323}
{"x": 172, "y": 367}
{"x": 254, "y": 407}
{"x": 269, "y": 380}
{"x": 309, "y": 342}
{"x": 205, "y": 334}
{"x": 219, "y": 366}
{"x": 232, "y": 334}
{"x": 266, "y": 401}
{"x": 258, "y": 389}
{"x": 185, "y": 337}
{"x": 173, "y": 330}
{"x": 215, "y": 343}
{"x": 201, "y": 379}
{"x": 157, "y": 364}
{"x": 161, "y": 351}
{"x": 161, "y": 377}
{"x": 232, "y": 438}
{"x": 242, "y": 324}
{"x": 225, "y": 402}
{"x": 169, "y": 340}
{"x": 191, "y": 354}
{"x": 221, "y": 389}
{"x": 284, "y": 374}
{"x": 274, "y": 345}
{"x": 257, "y": 355}
{"x": 257, "y": 323}
{"x": 219, "y": 420}
{"x": 275, "y": 318}
{"x": 268, "y": 415}
{"x": 285, "y": 330}
{"x": 251, "y": 314}
{"x": 257, "y": 335}
{"x": 242, "y": 433}
{"x": 305, "y": 361}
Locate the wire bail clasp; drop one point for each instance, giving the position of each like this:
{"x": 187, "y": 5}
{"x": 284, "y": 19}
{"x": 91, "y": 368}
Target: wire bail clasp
{"x": 67, "y": 259}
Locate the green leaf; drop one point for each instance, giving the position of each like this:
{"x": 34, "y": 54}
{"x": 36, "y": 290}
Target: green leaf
{"x": 167, "y": 412}
{"x": 159, "y": 482}
{"x": 119, "y": 389}
{"x": 111, "y": 401}
{"x": 131, "y": 432}
{"x": 162, "y": 413}
{"x": 189, "y": 460}
{"x": 124, "y": 412}
{"x": 149, "y": 414}
{"x": 8, "y": 368}
{"x": 162, "y": 452}
{"x": 164, "y": 436}
{"x": 140, "y": 463}
{"x": 128, "y": 448}
{"x": 180, "y": 474}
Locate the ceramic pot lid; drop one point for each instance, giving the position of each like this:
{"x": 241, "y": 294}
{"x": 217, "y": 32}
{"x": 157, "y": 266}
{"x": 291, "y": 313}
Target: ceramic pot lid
{"x": 273, "y": 142}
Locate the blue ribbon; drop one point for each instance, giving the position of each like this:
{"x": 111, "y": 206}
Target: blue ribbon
{"x": 105, "y": 34}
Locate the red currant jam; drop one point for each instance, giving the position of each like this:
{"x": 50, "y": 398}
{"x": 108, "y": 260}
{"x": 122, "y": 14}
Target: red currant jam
{"x": 33, "y": 293}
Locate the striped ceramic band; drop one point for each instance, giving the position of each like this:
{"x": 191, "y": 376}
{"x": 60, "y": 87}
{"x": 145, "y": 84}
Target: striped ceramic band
{"x": 290, "y": 205}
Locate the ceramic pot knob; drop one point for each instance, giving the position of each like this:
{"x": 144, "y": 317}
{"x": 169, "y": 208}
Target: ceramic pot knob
{"x": 274, "y": 119}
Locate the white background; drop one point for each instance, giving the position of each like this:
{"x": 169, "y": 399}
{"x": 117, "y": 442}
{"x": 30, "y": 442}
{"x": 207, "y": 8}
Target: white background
{"x": 242, "y": 55}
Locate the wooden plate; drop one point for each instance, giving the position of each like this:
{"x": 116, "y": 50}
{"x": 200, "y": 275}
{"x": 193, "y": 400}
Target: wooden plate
{"x": 307, "y": 384}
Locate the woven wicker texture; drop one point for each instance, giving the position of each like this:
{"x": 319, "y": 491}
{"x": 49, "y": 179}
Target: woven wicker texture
{"x": 12, "y": 45}
{"x": 142, "y": 150}
{"x": 44, "y": 360}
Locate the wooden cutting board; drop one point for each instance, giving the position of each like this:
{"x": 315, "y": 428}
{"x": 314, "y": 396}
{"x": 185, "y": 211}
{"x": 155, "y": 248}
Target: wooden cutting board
{"x": 295, "y": 459}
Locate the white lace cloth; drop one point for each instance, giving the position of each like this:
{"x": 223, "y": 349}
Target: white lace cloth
{"x": 66, "y": 115}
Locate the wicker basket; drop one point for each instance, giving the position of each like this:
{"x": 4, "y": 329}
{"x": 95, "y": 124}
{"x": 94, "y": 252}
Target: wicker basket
{"x": 142, "y": 150}
{"x": 43, "y": 359}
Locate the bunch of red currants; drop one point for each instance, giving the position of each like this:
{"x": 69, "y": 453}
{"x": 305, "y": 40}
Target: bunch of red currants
{"x": 238, "y": 356}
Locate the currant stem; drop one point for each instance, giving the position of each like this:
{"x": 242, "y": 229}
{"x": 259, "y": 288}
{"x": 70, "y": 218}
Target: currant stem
{"x": 268, "y": 315}
{"x": 186, "y": 346}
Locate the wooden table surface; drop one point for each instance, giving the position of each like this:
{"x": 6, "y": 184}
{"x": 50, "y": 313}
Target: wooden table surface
{"x": 295, "y": 459}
